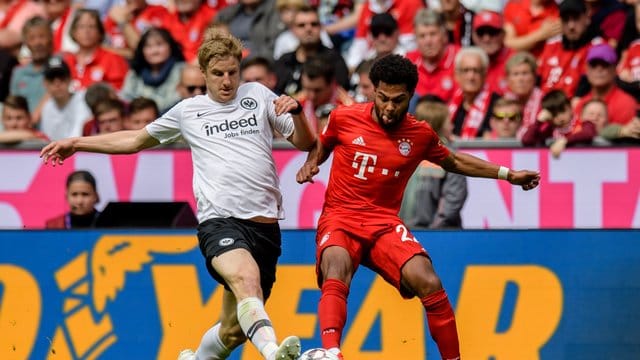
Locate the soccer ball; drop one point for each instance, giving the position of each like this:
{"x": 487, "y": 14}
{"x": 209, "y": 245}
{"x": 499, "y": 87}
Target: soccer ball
{"x": 318, "y": 354}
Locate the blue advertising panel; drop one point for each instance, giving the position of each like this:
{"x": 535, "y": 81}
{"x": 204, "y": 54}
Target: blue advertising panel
{"x": 146, "y": 295}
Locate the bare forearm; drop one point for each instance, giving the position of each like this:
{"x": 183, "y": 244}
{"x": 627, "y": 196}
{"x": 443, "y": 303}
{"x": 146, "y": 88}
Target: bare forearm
{"x": 469, "y": 165}
{"x": 303, "y": 137}
{"x": 121, "y": 142}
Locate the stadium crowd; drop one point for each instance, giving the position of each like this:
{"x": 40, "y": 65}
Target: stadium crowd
{"x": 534, "y": 72}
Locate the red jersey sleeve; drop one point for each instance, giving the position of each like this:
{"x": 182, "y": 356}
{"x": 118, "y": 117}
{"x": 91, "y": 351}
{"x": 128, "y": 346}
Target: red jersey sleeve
{"x": 435, "y": 151}
{"x": 329, "y": 135}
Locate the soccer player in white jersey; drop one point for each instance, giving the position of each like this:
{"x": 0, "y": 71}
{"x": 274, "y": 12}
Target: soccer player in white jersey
{"x": 229, "y": 130}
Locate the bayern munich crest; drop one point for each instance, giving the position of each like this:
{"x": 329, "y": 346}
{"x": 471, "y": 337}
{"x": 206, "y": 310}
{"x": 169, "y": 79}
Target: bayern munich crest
{"x": 404, "y": 146}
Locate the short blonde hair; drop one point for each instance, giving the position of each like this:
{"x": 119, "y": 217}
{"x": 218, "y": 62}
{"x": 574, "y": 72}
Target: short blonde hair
{"x": 218, "y": 44}
{"x": 434, "y": 113}
{"x": 293, "y": 4}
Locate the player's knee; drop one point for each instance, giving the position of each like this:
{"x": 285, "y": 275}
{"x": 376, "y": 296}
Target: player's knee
{"x": 232, "y": 336}
{"x": 245, "y": 285}
{"x": 336, "y": 264}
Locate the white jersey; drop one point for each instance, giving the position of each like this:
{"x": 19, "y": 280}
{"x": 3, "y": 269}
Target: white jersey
{"x": 234, "y": 174}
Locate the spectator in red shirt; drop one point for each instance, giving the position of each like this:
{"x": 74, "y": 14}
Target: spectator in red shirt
{"x": 488, "y": 34}
{"x": 607, "y": 18}
{"x": 472, "y": 102}
{"x": 529, "y": 23}
{"x": 434, "y": 56}
{"x": 93, "y": 63}
{"x": 82, "y": 197}
{"x": 601, "y": 73}
{"x": 557, "y": 123}
{"x": 188, "y": 24}
{"x": 629, "y": 66}
{"x": 521, "y": 86}
{"x": 562, "y": 61}
{"x": 13, "y": 15}
{"x": 126, "y": 22}
{"x": 458, "y": 22}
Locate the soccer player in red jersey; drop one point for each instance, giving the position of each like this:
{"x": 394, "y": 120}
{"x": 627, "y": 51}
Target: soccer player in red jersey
{"x": 376, "y": 147}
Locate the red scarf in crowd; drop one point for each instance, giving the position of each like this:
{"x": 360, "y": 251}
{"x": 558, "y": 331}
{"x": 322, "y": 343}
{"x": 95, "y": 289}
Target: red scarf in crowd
{"x": 530, "y": 111}
{"x": 11, "y": 12}
{"x": 475, "y": 115}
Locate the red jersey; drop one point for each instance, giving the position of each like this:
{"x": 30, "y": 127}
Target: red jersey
{"x": 560, "y": 68}
{"x": 189, "y": 34}
{"x": 105, "y": 66}
{"x": 621, "y": 107}
{"x": 496, "y": 76}
{"x": 150, "y": 16}
{"x": 439, "y": 80}
{"x": 518, "y": 14}
{"x": 631, "y": 61}
{"x": 371, "y": 165}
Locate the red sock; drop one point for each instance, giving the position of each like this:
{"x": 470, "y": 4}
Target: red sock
{"x": 442, "y": 324}
{"x": 332, "y": 311}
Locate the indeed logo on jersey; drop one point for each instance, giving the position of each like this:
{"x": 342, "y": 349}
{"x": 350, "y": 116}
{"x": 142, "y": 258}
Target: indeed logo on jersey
{"x": 232, "y": 128}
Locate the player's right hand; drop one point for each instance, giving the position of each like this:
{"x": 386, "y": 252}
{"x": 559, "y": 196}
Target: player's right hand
{"x": 307, "y": 172}
{"x": 57, "y": 151}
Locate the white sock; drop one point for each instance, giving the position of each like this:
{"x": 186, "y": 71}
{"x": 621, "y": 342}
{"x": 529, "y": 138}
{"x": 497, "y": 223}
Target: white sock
{"x": 211, "y": 346}
{"x": 256, "y": 325}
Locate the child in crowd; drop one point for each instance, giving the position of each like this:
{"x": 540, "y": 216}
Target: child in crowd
{"x": 16, "y": 121}
{"x": 555, "y": 122}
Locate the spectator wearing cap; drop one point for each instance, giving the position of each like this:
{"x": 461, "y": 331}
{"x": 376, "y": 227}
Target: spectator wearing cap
{"x": 434, "y": 57}
{"x": 13, "y": 15}
{"x": 489, "y": 36}
{"x": 27, "y": 79}
{"x": 64, "y": 113}
{"x": 458, "y": 21}
{"x": 601, "y": 74}
{"x": 529, "y": 23}
{"x": 563, "y": 58}
{"x": 385, "y": 36}
{"x": 92, "y": 62}
{"x": 126, "y": 23}
{"x": 288, "y": 68}
{"x": 187, "y": 25}
{"x": 402, "y": 10}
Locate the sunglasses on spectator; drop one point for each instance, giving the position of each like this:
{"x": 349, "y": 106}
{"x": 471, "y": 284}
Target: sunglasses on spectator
{"x": 312, "y": 24}
{"x": 488, "y": 31}
{"x": 512, "y": 117}
{"x": 598, "y": 62}
{"x": 192, "y": 88}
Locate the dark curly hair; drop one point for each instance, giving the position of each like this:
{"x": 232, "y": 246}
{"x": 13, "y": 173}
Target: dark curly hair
{"x": 139, "y": 62}
{"x": 396, "y": 70}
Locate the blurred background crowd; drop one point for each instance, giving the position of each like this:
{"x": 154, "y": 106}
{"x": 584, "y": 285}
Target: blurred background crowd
{"x": 536, "y": 72}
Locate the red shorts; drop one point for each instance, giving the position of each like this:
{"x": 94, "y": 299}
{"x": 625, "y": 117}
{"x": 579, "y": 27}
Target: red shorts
{"x": 383, "y": 245}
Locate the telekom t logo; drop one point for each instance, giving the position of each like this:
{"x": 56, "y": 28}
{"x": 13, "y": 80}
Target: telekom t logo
{"x": 361, "y": 160}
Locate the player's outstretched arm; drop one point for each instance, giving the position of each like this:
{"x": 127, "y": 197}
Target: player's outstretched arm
{"x": 303, "y": 137}
{"x": 470, "y": 165}
{"x": 120, "y": 142}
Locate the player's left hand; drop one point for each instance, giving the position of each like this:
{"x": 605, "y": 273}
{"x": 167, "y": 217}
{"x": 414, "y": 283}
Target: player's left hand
{"x": 285, "y": 104}
{"x": 525, "y": 178}
{"x": 307, "y": 172}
